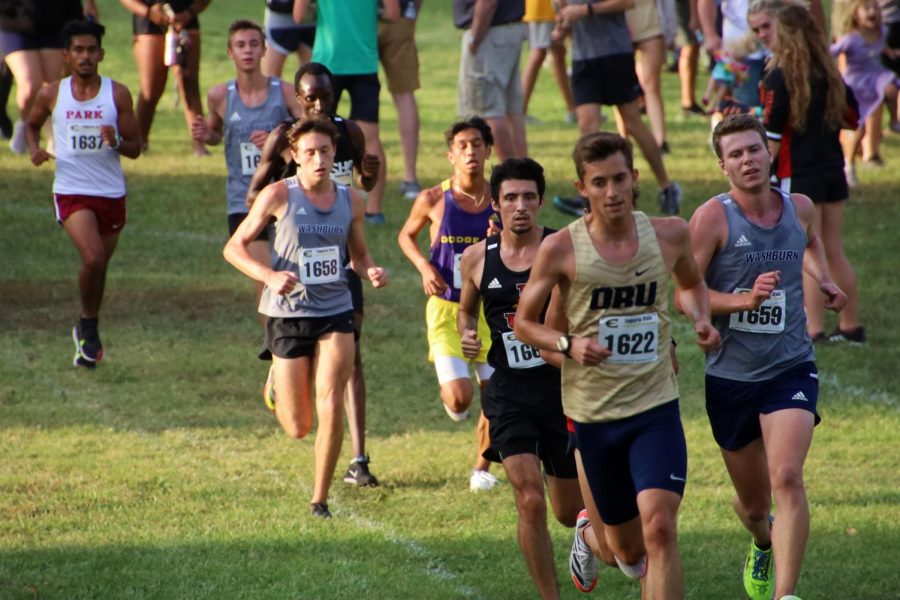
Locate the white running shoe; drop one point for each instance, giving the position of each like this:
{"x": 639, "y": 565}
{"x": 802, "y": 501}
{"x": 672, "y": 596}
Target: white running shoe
{"x": 482, "y": 481}
{"x": 583, "y": 565}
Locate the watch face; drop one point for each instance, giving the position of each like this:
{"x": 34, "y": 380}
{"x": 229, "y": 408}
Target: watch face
{"x": 562, "y": 344}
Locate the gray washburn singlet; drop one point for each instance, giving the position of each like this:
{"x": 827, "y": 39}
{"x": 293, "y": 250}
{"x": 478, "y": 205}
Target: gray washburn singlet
{"x": 241, "y": 155}
{"x": 312, "y": 243}
{"x": 758, "y": 345}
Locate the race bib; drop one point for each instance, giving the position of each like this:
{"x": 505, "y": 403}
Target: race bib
{"x": 457, "y": 271}
{"x": 520, "y": 355}
{"x": 320, "y": 265}
{"x": 768, "y": 318}
{"x": 632, "y": 339}
{"x": 250, "y": 156}
{"x": 84, "y": 139}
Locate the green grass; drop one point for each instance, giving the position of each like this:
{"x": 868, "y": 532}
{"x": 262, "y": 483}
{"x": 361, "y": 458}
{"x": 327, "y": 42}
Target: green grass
{"x": 160, "y": 475}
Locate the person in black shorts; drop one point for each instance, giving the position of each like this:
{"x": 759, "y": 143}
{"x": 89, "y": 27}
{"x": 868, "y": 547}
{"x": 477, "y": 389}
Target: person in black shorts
{"x": 149, "y": 25}
{"x": 314, "y": 88}
{"x": 284, "y": 37}
{"x": 804, "y": 138}
{"x": 522, "y": 398}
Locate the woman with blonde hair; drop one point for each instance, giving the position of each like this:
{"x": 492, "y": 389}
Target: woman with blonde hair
{"x": 805, "y": 105}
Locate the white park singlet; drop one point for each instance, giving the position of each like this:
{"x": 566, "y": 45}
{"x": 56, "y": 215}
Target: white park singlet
{"x": 84, "y": 164}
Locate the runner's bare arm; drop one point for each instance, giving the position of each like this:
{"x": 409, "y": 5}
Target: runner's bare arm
{"x": 555, "y": 317}
{"x": 694, "y": 297}
{"x": 356, "y": 243}
{"x": 271, "y": 162}
{"x": 271, "y": 202}
{"x": 40, "y": 112}
{"x": 814, "y": 261}
{"x": 367, "y": 165}
{"x": 129, "y": 135}
{"x": 709, "y": 230}
{"x": 553, "y": 266}
{"x": 209, "y": 130}
{"x": 419, "y": 217}
{"x": 290, "y": 99}
{"x": 472, "y": 267}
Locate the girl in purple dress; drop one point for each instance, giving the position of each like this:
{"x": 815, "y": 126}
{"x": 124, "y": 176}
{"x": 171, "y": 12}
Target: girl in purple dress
{"x": 862, "y": 45}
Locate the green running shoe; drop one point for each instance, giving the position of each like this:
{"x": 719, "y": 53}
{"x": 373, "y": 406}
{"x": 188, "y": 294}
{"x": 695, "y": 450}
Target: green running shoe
{"x": 269, "y": 390}
{"x": 759, "y": 576}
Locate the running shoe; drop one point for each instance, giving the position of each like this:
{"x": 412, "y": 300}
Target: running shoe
{"x": 790, "y": 597}
{"x": 583, "y": 565}
{"x": 358, "y": 472}
{"x": 571, "y": 118}
{"x": 88, "y": 349}
{"x": 856, "y": 336}
{"x": 374, "y": 218}
{"x": 670, "y": 199}
{"x": 759, "y": 578}
{"x": 320, "y": 509}
{"x": 849, "y": 175}
{"x": 482, "y": 481}
{"x": 664, "y": 148}
{"x": 570, "y": 206}
{"x": 269, "y": 390}
{"x": 17, "y": 141}
{"x": 694, "y": 110}
{"x": 873, "y": 162}
{"x": 410, "y": 189}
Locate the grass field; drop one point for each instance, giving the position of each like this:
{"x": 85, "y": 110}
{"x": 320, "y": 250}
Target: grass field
{"x": 160, "y": 474}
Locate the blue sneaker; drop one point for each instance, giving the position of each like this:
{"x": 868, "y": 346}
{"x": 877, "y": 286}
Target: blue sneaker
{"x": 374, "y": 218}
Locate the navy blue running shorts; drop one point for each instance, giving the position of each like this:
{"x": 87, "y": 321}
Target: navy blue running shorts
{"x": 734, "y": 407}
{"x": 624, "y": 457}
{"x": 525, "y": 417}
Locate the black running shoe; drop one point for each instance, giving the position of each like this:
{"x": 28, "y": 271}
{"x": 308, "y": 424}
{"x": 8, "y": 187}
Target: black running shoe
{"x": 358, "y": 473}
{"x": 856, "y": 336}
{"x": 320, "y": 509}
{"x": 88, "y": 349}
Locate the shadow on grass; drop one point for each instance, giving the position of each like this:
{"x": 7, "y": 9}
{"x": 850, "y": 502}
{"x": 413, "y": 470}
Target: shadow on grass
{"x": 338, "y": 560}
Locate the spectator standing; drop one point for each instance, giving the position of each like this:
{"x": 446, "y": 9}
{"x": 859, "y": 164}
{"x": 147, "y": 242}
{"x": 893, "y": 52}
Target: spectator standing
{"x": 284, "y": 37}
{"x": 149, "y": 24}
{"x": 489, "y": 81}
{"x": 32, "y": 41}
{"x": 400, "y": 59}
{"x": 539, "y": 15}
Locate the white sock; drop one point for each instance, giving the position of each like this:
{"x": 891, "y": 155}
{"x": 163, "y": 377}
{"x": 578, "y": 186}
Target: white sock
{"x": 457, "y": 416}
{"x": 633, "y": 571}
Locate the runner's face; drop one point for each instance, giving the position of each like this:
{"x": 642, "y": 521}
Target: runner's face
{"x": 315, "y": 94}
{"x": 468, "y": 152}
{"x": 868, "y": 16}
{"x": 83, "y": 55}
{"x": 745, "y": 160}
{"x": 609, "y": 186}
{"x": 246, "y": 48}
{"x": 314, "y": 155}
{"x": 763, "y": 26}
{"x": 518, "y": 205}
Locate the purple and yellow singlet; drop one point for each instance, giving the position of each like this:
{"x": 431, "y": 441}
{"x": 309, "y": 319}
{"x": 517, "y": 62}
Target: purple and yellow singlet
{"x": 458, "y": 230}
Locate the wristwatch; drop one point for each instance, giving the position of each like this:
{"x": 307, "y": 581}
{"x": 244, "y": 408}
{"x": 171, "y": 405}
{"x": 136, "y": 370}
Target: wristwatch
{"x": 564, "y": 344}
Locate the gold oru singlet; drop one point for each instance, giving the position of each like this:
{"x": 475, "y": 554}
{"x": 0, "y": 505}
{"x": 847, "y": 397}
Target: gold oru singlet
{"x": 625, "y": 307}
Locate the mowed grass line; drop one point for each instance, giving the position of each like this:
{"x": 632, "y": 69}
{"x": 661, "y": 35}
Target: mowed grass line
{"x": 160, "y": 475}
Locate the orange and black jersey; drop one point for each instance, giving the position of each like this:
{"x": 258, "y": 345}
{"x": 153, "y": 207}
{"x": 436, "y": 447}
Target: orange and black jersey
{"x": 816, "y": 148}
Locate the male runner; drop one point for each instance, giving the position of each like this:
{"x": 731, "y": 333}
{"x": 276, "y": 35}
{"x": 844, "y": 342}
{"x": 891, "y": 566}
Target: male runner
{"x": 309, "y": 329}
{"x": 753, "y": 244}
{"x": 242, "y": 112}
{"x": 612, "y": 267}
{"x": 522, "y": 398}
{"x": 93, "y": 123}
{"x": 458, "y": 213}
{"x": 314, "y": 89}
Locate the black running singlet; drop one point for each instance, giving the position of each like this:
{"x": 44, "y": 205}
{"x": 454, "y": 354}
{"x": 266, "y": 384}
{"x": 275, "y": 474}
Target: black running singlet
{"x": 500, "y": 289}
